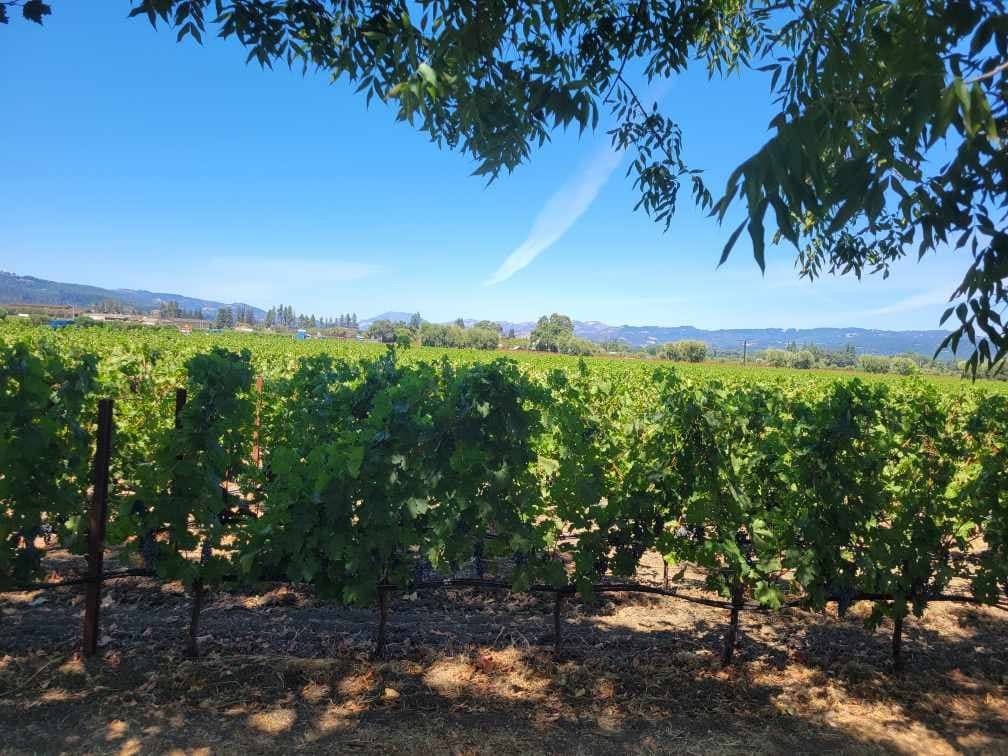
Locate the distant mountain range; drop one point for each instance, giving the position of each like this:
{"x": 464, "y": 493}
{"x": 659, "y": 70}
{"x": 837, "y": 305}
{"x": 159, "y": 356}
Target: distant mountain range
{"x": 870, "y": 340}
{"x": 16, "y": 289}
{"x": 864, "y": 340}
{"x": 394, "y": 317}
{"x": 30, "y": 290}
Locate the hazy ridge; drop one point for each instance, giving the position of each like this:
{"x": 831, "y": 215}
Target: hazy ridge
{"x": 31, "y": 290}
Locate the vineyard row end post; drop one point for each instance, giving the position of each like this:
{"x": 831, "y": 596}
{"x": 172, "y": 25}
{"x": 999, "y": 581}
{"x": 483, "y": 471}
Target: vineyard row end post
{"x": 97, "y": 520}
{"x": 256, "y": 451}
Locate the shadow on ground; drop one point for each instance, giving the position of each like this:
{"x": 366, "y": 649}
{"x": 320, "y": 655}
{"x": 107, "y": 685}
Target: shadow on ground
{"x": 470, "y": 672}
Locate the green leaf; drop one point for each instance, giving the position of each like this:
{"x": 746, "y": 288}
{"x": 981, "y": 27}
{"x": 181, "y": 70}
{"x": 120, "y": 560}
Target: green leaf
{"x": 427, "y": 73}
{"x": 34, "y": 10}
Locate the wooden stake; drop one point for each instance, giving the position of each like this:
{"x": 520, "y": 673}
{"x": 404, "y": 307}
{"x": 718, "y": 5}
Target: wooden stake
{"x": 478, "y": 559}
{"x": 97, "y": 518}
{"x": 256, "y": 451}
{"x": 197, "y": 606}
{"x": 180, "y": 399}
{"x": 379, "y": 649}
{"x": 897, "y": 643}
{"x": 557, "y": 626}
{"x": 731, "y": 637}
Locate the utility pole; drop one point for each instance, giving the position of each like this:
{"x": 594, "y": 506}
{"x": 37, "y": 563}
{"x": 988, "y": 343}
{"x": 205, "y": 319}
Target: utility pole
{"x": 745, "y": 350}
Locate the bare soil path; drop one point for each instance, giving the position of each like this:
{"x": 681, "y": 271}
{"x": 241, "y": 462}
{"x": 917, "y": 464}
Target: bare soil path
{"x": 474, "y": 672}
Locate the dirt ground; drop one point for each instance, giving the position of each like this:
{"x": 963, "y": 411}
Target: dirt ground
{"x": 474, "y": 672}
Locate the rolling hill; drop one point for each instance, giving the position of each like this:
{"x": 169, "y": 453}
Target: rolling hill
{"x": 31, "y": 290}
{"x": 870, "y": 340}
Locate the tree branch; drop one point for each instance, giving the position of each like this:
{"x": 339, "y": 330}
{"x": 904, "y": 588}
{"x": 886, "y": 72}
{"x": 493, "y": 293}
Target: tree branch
{"x": 990, "y": 74}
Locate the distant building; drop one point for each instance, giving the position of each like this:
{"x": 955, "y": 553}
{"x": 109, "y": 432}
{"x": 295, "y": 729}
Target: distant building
{"x": 108, "y": 316}
{"x": 301, "y": 334}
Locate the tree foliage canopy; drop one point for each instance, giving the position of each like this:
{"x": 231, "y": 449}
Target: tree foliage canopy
{"x": 556, "y": 334}
{"x": 886, "y": 141}
{"x": 688, "y": 350}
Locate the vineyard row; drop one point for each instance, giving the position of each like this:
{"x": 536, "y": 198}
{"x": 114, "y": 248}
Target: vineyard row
{"x": 363, "y": 476}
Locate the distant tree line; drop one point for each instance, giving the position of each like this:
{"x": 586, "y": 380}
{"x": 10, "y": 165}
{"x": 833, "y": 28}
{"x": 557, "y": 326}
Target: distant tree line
{"x": 811, "y": 356}
{"x": 555, "y": 333}
{"x": 172, "y": 309}
{"x": 687, "y": 350}
{"x": 229, "y": 317}
{"x": 284, "y": 316}
{"x": 114, "y": 307}
{"x": 225, "y": 318}
{"x": 484, "y": 334}
{"x": 244, "y": 314}
{"x": 389, "y": 332}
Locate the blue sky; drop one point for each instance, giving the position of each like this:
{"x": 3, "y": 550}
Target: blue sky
{"x": 132, "y": 161}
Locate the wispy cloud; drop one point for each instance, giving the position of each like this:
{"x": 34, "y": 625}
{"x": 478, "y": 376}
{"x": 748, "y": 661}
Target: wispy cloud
{"x": 560, "y": 212}
{"x": 915, "y": 302}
